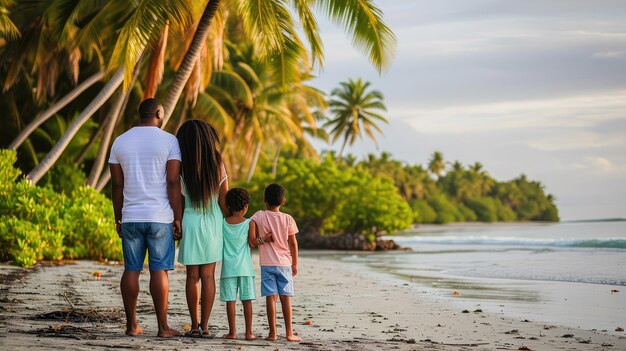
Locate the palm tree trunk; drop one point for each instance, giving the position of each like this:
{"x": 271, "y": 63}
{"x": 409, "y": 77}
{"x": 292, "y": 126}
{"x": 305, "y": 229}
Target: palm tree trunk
{"x": 45, "y": 115}
{"x": 183, "y": 115}
{"x": 92, "y": 140}
{"x": 117, "y": 109}
{"x": 342, "y": 147}
{"x": 275, "y": 163}
{"x": 104, "y": 180}
{"x": 109, "y": 88}
{"x": 192, "y": 55}
{"x": 255, "y": 159}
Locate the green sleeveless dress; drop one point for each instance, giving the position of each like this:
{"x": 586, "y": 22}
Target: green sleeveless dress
{"x": 202, "y": 240}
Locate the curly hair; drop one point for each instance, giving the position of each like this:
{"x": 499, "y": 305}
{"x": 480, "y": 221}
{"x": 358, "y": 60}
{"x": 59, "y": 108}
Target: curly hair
{"x": 237, "y": 199}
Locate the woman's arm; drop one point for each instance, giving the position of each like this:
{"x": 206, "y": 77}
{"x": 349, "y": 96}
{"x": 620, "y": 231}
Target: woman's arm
{"x": 223, "y": 191}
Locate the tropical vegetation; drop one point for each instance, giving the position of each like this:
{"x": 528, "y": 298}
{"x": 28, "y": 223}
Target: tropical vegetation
{"x": 72, "y": 73}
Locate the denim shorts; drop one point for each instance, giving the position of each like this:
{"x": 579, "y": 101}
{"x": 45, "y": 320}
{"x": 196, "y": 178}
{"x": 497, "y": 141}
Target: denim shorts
{"x": 157, "y": 238}
{"x": 276, "y": 280}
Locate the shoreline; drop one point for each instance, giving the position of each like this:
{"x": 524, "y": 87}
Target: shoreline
{"x": 350, "y": 308}
{"x": 537, "y": 299}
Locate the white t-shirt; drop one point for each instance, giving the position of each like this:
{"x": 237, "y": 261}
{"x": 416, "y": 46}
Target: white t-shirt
{"x": 143, "y": 153}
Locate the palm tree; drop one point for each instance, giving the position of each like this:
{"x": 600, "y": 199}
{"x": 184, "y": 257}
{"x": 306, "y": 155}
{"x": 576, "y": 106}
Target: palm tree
{"x": 355, "y": 110}
{"x": 270, "y": 26}
{"x": 141, "y": 28}
{"x": 90, "y": 32}
{"x": 436, "y": 164}
{"x": 49, "y": 112}
{"x": 253, "y": 109}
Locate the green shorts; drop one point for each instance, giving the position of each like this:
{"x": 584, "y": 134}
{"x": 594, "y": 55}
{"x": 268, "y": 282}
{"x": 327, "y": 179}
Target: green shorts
{"x": 229, "y": 287}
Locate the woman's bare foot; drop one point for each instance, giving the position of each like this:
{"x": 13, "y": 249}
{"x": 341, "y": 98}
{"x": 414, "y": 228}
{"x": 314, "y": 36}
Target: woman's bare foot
{"x": 271, "y": 338}
{"x": 250, "y": 337}
{"x": 168, "y": 333}
{"x": 230, "y": 336}
{"x": 134, "y": 331}
{"x": 293, "y": 338}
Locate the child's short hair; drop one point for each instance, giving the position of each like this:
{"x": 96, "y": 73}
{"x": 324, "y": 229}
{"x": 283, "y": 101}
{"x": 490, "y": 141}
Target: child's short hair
{"x": 274, "y": 194}
{"x": 237, "y": 199}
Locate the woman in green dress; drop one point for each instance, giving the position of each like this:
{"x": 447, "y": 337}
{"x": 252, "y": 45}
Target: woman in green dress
{"x": 204, "y": 184}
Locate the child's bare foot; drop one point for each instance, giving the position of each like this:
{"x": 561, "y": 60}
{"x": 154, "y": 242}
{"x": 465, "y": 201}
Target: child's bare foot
{"x": 134, "y": 331}
{"x": 271, "y": 338}
{"x": 293, "y": 338}
{"x": 230, "y": 336}
{"x": 250, "y": 337}
{"x": 168, "y": 333}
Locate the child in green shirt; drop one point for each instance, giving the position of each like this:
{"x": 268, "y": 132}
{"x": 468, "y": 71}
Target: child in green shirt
{"x": 237, "y": 270}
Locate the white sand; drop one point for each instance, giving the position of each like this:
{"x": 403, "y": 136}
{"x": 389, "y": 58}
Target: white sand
{"x": 349, "y": 310}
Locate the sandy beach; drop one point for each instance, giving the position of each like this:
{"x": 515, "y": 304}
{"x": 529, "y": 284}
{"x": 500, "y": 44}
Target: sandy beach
{"x": 349, "y": 309}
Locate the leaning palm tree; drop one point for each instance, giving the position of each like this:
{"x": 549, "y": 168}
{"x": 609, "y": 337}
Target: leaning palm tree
{"x": 356, "y": 111}
{"x": 268, "y": 23}
{"x": 141, "y": 28}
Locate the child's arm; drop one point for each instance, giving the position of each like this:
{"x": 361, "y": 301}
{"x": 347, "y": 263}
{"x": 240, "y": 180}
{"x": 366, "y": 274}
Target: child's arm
{"x": 253, "y": 238}
{"x": 252, "y": 230}
{"x": 293, "y": 248}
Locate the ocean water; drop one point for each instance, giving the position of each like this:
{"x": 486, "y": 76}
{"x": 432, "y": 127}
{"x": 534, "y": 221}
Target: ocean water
{"x": 589, "y": 252}
{"x": 562, "y": 273}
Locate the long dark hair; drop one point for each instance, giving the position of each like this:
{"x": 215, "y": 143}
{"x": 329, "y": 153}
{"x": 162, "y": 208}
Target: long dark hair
{"x": 202, "y": 161}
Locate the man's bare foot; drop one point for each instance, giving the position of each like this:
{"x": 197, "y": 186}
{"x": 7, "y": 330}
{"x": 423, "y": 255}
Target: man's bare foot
{"x": 169, "y": 333}
{"x": 134, "y": 331}
{"x": 271, "y": 338}
{"x": 293, "y": 338}
{"x": 230, "y": 336}
{"x": 250, "y": 337}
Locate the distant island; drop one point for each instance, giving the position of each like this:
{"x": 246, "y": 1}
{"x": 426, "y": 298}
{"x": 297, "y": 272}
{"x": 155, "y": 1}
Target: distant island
{"x": 343, "y": 203}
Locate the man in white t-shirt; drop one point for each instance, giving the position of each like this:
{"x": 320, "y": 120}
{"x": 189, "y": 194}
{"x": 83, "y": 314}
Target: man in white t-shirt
{"x": 145, "y": 168}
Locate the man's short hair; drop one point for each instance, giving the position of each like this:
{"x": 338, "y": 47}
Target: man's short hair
{"x": 148, "y": 108}
{"x": 274, "y": 194}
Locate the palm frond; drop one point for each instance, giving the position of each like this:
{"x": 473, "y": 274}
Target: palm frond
{"x": 142, "y": 29}
{"x": 8, "y": 29}
{"x": 310, "y": 29}
{"x": 234, "y": 84}
{"x": 363, "y": 20}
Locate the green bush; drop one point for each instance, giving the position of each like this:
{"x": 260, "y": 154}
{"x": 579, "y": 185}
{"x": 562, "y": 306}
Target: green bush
{"x": 446, "y": 211}
{"x": 331, "y": 198}
{"x": 484, "y": 207}
{"x": 467, "y": 213}
{"x": 550, "y": 214}
{"x": 505, "y": 213}
{"x": 422, "y": 212}
{"x": 64, "y": 177}
{"x": 37, "y": 223}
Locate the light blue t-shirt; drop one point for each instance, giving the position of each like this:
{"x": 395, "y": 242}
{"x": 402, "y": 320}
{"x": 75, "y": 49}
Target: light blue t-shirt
{"x": 237, "y": 261}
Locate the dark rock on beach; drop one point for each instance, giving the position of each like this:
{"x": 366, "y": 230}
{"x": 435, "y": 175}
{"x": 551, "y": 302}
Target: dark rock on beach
{"x": 358, "y": 242}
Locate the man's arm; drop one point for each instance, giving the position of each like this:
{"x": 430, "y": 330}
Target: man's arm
{"x": 174, "y": 195}
{"x": 117, "y": 194}
{"x": 293, "y": 248}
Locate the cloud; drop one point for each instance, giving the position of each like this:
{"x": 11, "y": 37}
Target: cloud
{"x": 568, "y": 112}
{"x": 602, "y": 165}
{"x": 578, "y": 140}
{"x": 619, "y": 54}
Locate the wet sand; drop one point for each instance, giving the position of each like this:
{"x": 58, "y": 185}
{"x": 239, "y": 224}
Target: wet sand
{"x": 348, "y": 309}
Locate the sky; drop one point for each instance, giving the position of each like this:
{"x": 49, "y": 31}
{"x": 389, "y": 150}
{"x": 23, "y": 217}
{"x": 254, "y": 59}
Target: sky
{"x": 533, "y": 87}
